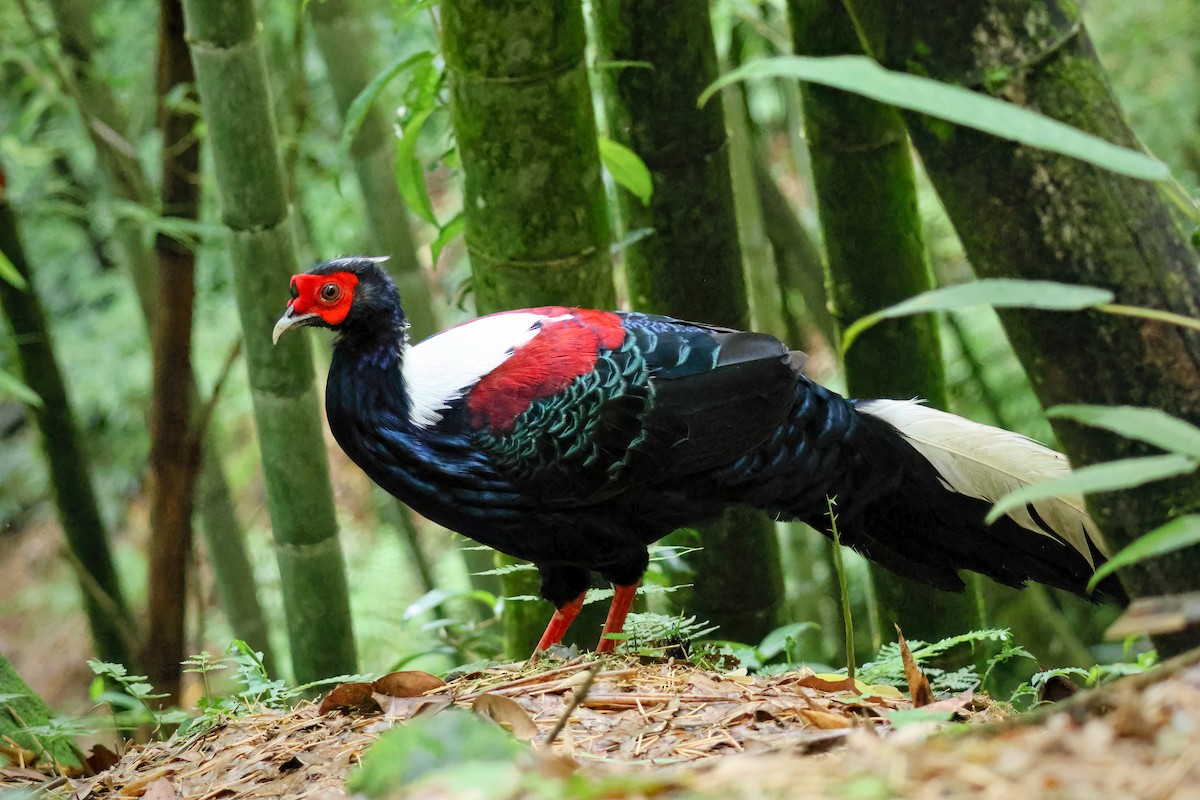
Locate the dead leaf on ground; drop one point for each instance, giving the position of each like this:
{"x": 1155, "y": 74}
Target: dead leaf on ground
{"x": 825, "y": 720}
{"x": 101, "y": 758}
{"x": 918, "y": 685}
{"x": 952, "y": 704}
{"x": 355, "y": 696}
{"x": 407, "y": 683}
{"x": 411, "y": 707}
{"x": 828, "y": 683}
{"x": 506, "y": 713}
{"x": 1056, "y": 689}
{"x": 161, "y": 789}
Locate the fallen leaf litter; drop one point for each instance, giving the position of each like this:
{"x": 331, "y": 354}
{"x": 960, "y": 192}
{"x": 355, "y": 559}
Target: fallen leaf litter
{"x": 710, "y": 735}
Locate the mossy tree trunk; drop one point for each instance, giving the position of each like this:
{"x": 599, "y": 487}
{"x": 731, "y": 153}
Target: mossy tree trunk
{"x": 112, "y": 626}
{"x": 536, "y": 216}
{"x": 875, "y": 255}
{"x": 236, "y": 100}
{"x": 690, "y": 265}
{"x": 223, "y": 533}
{"x": 1027, "y": 213}
{"x": 21, "y": 711}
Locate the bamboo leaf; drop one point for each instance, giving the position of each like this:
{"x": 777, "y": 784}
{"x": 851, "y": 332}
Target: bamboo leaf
{"x": 9, "y": 273}
{"x": 1126, "y": 473}
{"x": 446, "y": 235}
{"x": 1156, "y": 314}
{"x": 1174, "y": 535}
{"x": 9, "y": 384}
{"x": 627, "y": 169}
{"x": 361, "y": 106}
{"x": 410, "y": 172}
{"x": 864, "y": 76}
{"x": 1150, "y": 425}
{"x": 994, "y": 292}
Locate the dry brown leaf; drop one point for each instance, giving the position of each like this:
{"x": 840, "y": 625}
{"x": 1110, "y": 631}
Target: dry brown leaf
{"x": 1056, "y": 689}
{"x": 411, "y": 707}
{"x": 355, "y": 696}
{"x": 101, "y": 758}
{"x": 955, "y": 704}
{"x": 828, "y": 683}
{"x": 824, "y": 719}
{"x": 918, "y": 685}
{"x": 407, "y": 683}
{"x": 161, "y": 789}
{"x": 506, "y": 713}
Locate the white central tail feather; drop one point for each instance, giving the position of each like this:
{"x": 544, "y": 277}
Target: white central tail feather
{"x": 987, "y": 463}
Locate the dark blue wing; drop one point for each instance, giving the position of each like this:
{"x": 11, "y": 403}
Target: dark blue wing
{"x": 673, "y": 399}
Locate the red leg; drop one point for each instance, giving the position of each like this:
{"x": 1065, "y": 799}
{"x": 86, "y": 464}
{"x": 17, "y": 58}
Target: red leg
{"x": 621, "y": 603}
{"x": 562, "y": 619}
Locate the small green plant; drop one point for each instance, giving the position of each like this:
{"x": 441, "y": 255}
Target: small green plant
{"x": 659, "y": 635}
{"x": 1092, "y": 676}
{"x": 779, "y": 651}
{"x": 471, "y": 633}
{"x": 131, "y": 705}
{"x": 888, "y": 668}
{"x": 201, "y": 665}
{"x": 843, "y": 586}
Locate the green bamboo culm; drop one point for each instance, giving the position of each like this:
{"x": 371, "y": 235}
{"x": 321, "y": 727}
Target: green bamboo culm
{"x": 1065, "y": 220}
{"x": 875, "y": 255}
{"x": 345, "y": 36}
{"x": 112, "y": 627}
{"x": 689, "y": 264}
{"x": 223, "y": 533}
{"x": 537, "y": 228}
{"x": 236, "y": 101}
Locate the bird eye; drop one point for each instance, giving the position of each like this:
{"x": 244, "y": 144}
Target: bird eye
{"x": 295, "y": 291}
{"x": 330, "y": 292}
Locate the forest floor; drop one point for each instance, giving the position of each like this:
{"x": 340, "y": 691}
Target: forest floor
{"x": 669, "y": 730}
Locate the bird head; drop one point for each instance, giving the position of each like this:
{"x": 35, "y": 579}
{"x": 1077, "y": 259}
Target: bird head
{"x": 338, "y": 294}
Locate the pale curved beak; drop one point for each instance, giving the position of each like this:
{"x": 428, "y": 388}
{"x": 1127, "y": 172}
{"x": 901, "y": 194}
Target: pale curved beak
{"x": 288, "y": 321}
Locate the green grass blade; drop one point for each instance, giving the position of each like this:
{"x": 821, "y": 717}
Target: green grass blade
{"x": 9, "y": 273}
{"x": 11, "y": 385}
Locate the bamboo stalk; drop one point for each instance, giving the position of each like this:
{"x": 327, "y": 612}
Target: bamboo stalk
{"x": 875, "y": 246}
{"x": 690, "y": 266}
{"x": 236, "y": 99}
{"x": 537, "y": 228}
{"x": 219, "y": 523}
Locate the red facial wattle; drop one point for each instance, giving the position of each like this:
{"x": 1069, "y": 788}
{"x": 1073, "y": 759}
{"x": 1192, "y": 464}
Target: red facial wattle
{"x": 327, "y": 296}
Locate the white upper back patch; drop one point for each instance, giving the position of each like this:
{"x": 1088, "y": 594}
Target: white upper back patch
{"x": 445, "y": 366}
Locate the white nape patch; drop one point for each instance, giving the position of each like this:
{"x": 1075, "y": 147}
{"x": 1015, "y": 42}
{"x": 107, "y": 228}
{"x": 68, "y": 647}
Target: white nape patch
{"x": 445, "y": 366}
{"x": 987, "y": 463}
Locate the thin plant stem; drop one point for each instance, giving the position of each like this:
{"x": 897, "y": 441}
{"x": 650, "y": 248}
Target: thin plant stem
{"x": 843, "y": 588}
